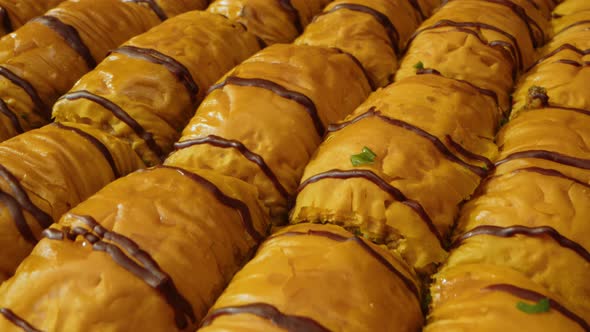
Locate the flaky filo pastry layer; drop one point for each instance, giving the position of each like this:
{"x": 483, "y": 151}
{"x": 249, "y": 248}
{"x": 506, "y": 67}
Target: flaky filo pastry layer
{"x": 45, "y": 57}
{"x": 14, "y": 14}
{"x": 319, "y": 278}
{"x": 148, "y": 86}
{"x": 264, "y": 119}
{"x": 424, "y": 131}
{"x": 124, "y": 260}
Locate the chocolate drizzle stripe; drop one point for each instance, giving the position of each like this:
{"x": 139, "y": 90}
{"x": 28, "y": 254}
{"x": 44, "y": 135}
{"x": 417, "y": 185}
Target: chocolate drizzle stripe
{"x": 96, "y": 143}
{"x": 120, "y": 114}
{"x": 279, "y": 90}
{"x": 119, "y": 247}
{"x": 418, "y": 9}
{"x": 530, "y": 295}
{"x": 16, "y": 213}
{"x": 549, "y": 172}
{"x": 224, "y": 199}
{"x": 174, "y": 67}
{"x": 6, "y": 111}
{"x": 548, "y": 155}
{"x": 21, "y": 196}
{"x": 290, "y": 323}
{"x": 526, "y": 231}
{"x": 572, "y": 62}
{"x": 153, "y": 6}
{"x": 460, "y": 27}
{"x": 340, "y": 238}
{"x": 573, "y": 25}
{"x": 521, "y": 13}
{"x": 487, "y": 92}
{"x": 251, "y": 156}
{"x": 40, "y": 106}
{"x": 5, "y": 18}
{"x": 383, "y": 185}
{"x": 440, "y": 146}
{"x": 17, "y": 321}
{"x": 287, "y": 5}
{"x": 563, "y": 47}
{"x": 379, "y": 17}
{"x": 70, "y": 35}
{"x": 468, "y": 154}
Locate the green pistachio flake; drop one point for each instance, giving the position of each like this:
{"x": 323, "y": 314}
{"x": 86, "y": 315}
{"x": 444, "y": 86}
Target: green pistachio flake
{"x": 365, "y": 157}
{"x": 419, "y": 65}
{"x": 542, "y": 306}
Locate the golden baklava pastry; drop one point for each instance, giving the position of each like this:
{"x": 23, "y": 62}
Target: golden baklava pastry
{"x": 264, "y": 119}
{"x": 146, "y": 90}
{"x": 14, "y": 14}
{"x": 272, "y": 21}
{"x": 374, "y": 32}
{"x": 570, "y": 14}
{"x": 125, "y": 259}
{"x": 45, "y": 57}
{"x": 396, "y": 169}
{"x": 46, "y": 172}
{"x": 488, "y": 298}
{"x": 319, "y": 278}
{"x": 487, "y": 50}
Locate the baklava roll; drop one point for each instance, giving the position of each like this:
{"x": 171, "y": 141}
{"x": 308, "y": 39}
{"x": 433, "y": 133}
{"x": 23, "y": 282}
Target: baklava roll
{"x": 489, "y": 298}
{"x": 263, "y": 120}
{"x": 486, "y": 50}
{"x": 396, "y": 169}
{"x": 14, "y": 14}
{"x": 272, "y": 21}
{"x": 374, "y": 32}
{"x": 319, "y": 278}
{"x": 531, "y": 214}
{"x": 45, "y": 173}
{"x": 125, "y": 259}
{"x": 43, "y": 59}
{"x": 146, "y": 90}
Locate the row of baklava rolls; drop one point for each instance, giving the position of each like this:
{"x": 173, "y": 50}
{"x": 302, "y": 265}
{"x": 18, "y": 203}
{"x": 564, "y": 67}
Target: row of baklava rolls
{"x": 118, "y": 118}
{"x": 153, "y": 250}
{"x": 394, "y": 172}
{"x": 521, "y": 252}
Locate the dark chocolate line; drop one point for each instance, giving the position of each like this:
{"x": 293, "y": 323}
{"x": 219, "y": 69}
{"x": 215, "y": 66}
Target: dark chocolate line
{"x": 17, "y": 215}
{"x": 174, "y": 67}
{"x": 6, "y": 111}
{"x": 572, "y": 62}
{"x": 487, "y": 92}
{"x": 549, "y": 172}
{"x": 468, "y": 154}
{"x": 17, "y": 321}
{"x": 147, "y": 269}
{"x": 96, "y": 142}
{"x": 5, "y": 18}
{"x": 294, "y": 13}
{"x": 340, "y": 238}
{"x": 290, "y": 323}
{"x": 572, "y": 26}
{"x": 460, "y": 27}
{"x": 224, "y": 199}
{"x": 418, "y": 9}
{"x": 383, "y": 185}
{"x": 120, "y": 114}
{"x": 379, "y": 17}
{"x": 526, "y": 231}
{"x": 548, "y": 155}
{"x": 521, "y": 13}
{"x": 30, "y": 90}
{"x": 248, "y": 154}
{"x": 279, "y": 90}
{"x": 563, "y": 47}
{"x": 21, "y": 196}
{"x": 530, "y": 295}
{"x": 440, "y": 146}
{"x": 70, "y": 35}
{"x": 153, "y": 6}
